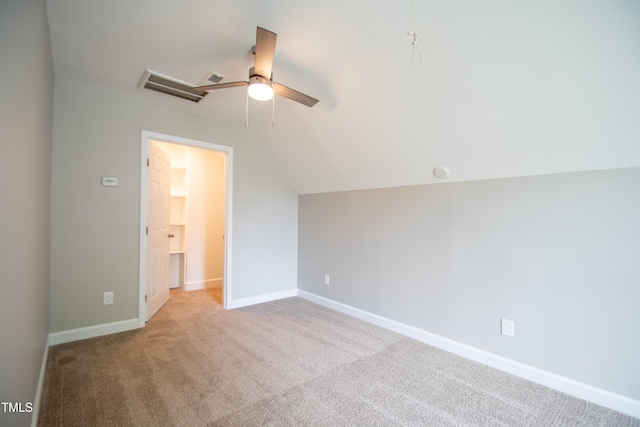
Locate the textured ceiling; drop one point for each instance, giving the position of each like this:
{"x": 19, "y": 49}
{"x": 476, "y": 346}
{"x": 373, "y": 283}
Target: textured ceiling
{"x": 507, "y": 88}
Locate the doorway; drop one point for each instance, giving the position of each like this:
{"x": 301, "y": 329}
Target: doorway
{"x": 187, "y": 261}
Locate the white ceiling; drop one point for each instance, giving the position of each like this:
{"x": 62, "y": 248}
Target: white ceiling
{"x": 508, "y": 88}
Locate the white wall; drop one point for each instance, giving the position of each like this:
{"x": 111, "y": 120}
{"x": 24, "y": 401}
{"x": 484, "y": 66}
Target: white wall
{"x": 26, "y": 110}
{"x": 95, "y": 230}
{"x": 558, "y": 254}
{"x": 205, "y": 218}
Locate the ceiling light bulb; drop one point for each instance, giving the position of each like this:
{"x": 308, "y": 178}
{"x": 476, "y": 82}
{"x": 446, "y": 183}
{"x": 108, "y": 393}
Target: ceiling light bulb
{"x": 260, "y": 91}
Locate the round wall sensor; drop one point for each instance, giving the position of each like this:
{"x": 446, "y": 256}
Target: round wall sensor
{"x": 441, "y": 172}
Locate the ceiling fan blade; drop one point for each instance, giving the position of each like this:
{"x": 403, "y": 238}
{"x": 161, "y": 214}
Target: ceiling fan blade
{"x": 265, "y": 49}
{"x": 294, "y": 95}
{"x": 222, "y": 85}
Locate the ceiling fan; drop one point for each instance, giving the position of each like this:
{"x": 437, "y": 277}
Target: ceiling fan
{"x": 261, "y": 84}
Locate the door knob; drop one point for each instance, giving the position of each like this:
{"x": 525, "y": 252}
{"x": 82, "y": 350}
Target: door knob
{"x": 171, "y": 235}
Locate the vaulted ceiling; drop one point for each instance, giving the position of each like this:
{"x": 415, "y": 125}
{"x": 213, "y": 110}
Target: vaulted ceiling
{"x": 507, "y": 88}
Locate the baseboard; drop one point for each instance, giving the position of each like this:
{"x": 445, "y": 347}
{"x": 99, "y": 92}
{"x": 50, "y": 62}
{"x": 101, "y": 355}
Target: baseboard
{"x": 215, "y": 283}
{"x": 580, "y": 390}
{"x": 259, "y": 299}
{"x": 43, "y": 370}
{"x": 203, "y": 284}
{"x": 92, "y": 331}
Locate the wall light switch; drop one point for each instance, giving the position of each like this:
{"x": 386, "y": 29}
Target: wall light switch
{"x": 326, "y": 279}
{"x": 109, "y": 181}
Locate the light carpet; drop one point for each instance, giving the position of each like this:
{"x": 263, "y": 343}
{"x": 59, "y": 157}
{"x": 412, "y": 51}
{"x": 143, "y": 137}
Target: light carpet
{"x": 287, "y": 363}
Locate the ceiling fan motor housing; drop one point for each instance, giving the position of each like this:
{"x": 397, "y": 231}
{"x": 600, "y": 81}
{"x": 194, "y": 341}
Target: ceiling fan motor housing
{"x": 258, "y": 78}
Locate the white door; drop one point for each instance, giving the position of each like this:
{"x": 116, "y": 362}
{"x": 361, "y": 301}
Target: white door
{"x": 159, "y": 230}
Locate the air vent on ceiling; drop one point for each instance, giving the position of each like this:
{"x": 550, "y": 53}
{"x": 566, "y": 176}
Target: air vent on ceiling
{"x": 170, "y": 86}
{"x": 211, "y": 78}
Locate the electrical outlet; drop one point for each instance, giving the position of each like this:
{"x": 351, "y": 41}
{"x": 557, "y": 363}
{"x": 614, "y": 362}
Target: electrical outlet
{"x": 507, "y": 327}
{"x": 107, "y": 298}
{"x": 326, "y": 279}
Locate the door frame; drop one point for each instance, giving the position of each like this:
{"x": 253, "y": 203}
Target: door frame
{"x": 146, "y": 137}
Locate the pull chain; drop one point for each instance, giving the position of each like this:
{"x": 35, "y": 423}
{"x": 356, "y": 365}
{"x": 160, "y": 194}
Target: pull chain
{"x": 414, "y": 42}
{"x": 246, "y": 111}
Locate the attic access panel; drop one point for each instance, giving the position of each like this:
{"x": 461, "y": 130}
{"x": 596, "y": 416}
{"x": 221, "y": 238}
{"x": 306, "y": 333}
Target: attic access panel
{"x": 170, "y": 86}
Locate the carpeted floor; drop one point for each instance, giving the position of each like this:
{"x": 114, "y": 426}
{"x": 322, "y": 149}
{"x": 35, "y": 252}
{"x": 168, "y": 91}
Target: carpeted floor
{"x": 286, "y": 363}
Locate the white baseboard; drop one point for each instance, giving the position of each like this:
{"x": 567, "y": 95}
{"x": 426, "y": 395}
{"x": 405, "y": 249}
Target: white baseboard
{"x": 215, "y": 283}
{"x": 259, "y": 299}
{"x": 43, "y": 370}
{"x": 203, "y": 284}
{"x": 583, "y": 391}
{"x": 92, "y": 331}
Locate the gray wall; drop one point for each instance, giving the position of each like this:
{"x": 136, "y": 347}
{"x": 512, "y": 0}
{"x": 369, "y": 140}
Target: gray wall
{"x": 26, "y": 105}
{"x": 95, "y": 229}
{"x": 558, "y": 254}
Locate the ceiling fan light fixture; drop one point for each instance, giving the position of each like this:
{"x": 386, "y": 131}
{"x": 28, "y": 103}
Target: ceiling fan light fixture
{"x": 260, "y": 92}
{"x": 260, "y": 88}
